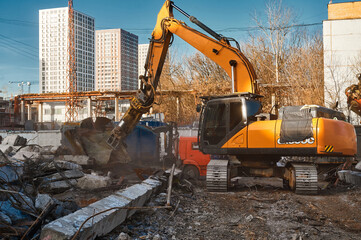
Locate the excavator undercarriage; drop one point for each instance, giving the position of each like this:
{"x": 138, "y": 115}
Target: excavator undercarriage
{"x": 299, "y": 174}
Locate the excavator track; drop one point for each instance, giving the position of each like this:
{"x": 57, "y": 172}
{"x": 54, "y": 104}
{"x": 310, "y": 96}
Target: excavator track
{"x": 305, "y": 178}
{"x": 217, "y": 176}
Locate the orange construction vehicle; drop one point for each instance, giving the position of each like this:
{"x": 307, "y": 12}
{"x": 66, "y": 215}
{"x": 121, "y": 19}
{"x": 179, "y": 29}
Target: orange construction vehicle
{"x": 193, "y": 160}
{"x": 307, "y": 139}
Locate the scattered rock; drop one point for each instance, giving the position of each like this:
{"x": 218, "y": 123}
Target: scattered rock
{"x": 14, "y": 214}
{"x": 11, "y": 173}
{"x": 90, "y": 181}
{"x": 64, "y": 208}
{"x": 23, "y": 202}
{"x": 249, "y": 218}
{"x": 123, "y": 236}
{"x": 42, "y": 200}
{"x": 5, "y": 218}
{"x": 157, "y": 237}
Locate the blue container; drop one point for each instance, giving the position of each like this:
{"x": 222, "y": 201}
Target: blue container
{"x": 143, "y": 145}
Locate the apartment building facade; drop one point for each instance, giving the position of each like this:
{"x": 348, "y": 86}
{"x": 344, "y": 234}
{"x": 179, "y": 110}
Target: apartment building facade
{"x": 116, "y": 67}
{"x": 142, "y": 57}
{"x": 53, "y": 50}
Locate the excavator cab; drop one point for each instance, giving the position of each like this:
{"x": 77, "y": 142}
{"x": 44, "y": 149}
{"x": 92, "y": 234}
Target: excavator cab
{"x": 222, "y": 117}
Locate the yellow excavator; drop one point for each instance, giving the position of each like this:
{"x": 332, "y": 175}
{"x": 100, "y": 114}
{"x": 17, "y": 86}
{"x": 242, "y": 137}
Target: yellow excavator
{"x": 303, "y": 142}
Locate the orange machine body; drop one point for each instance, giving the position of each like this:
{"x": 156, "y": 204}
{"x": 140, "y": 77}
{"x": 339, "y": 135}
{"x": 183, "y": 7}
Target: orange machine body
{"x": 330, "y": 138}
{"x": 190, "y": 155}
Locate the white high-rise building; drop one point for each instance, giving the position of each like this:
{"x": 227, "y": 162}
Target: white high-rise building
{"x": 142, "y": 57}
{"x": 342, "y": 52}
{"x": 53, "y": 50}
{"x": 116, "y": 60}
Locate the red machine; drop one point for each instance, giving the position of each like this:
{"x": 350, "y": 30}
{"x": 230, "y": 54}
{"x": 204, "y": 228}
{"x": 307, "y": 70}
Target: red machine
{"x": 194, "y": 161}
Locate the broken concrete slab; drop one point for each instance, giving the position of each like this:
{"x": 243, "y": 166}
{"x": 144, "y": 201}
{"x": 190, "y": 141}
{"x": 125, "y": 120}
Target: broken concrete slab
{"x": 14, "y": 214}
{"x": 3, "y": 158}
{"x": 358, "y": 166}
{"x": 66, "y": 227}
{"x": 11, "y": 173}
{"x": 68, "y": 174}
{"x": 90, "y": 181}
{"x": 23, "y": 155}
{"x": 6, "y": 149}
{"x": 138, "y": 194}
{"x": 14, "y": 140}
{"x": 23, "y": 202}
{"x": 352, "y": 177}
{"x": 78, "y": 159}
{"x": 61, "y": 165}
{"x": 348, "y": 176}
{"x": 31, "y": 148}
{"x": 95, "y": 145}
{"x": 57, "y": 187}
{"x": 355, "y": 178}
{"x": 342, "y": 174}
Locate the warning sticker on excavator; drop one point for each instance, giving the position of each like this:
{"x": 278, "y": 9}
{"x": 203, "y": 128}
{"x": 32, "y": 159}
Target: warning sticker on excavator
{"x": 328, "y": 148}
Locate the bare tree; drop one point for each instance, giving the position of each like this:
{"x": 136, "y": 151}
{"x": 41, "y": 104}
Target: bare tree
{"x": 288, "y": 59}
{"x": 195, "y": 75}
{"x": 276, "y": 29}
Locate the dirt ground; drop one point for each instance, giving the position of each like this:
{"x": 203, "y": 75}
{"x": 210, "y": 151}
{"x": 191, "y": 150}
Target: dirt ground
{"x": 256, "y": 209}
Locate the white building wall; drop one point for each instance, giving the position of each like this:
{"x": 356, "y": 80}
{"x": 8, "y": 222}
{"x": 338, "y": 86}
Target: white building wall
{"x": 116, "y": 60}
{"x": 142, "y": 57}
{"x": 55, "y": 112}
{"x": 53, "y": 50}
{"x": 342, "y": 53}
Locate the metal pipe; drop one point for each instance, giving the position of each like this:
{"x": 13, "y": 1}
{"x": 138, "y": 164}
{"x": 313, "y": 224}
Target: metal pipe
{"x": 232, "y": 79}
{"x": 198, "y": 23}
{"x": 180, "y": 10}
{"x": 233, "y": 64}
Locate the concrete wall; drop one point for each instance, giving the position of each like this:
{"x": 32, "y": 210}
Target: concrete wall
{"x": 42, "y": 138}
{"x": 187, "y": 132}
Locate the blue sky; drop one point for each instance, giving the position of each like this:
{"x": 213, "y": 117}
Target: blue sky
{"x": 19, "y": 25}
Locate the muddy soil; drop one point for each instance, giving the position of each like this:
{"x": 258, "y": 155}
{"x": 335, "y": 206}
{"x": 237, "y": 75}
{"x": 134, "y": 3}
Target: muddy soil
{"x": 257, "y": 209}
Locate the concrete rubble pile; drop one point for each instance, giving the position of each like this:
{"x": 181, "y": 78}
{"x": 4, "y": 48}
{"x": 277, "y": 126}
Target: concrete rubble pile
{"x": 35, "y": 183}
{"x": 351, "y": 176}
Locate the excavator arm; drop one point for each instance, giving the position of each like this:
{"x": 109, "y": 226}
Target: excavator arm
{"x": 218, "y": 49}
{"x": 353, "y": 94}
